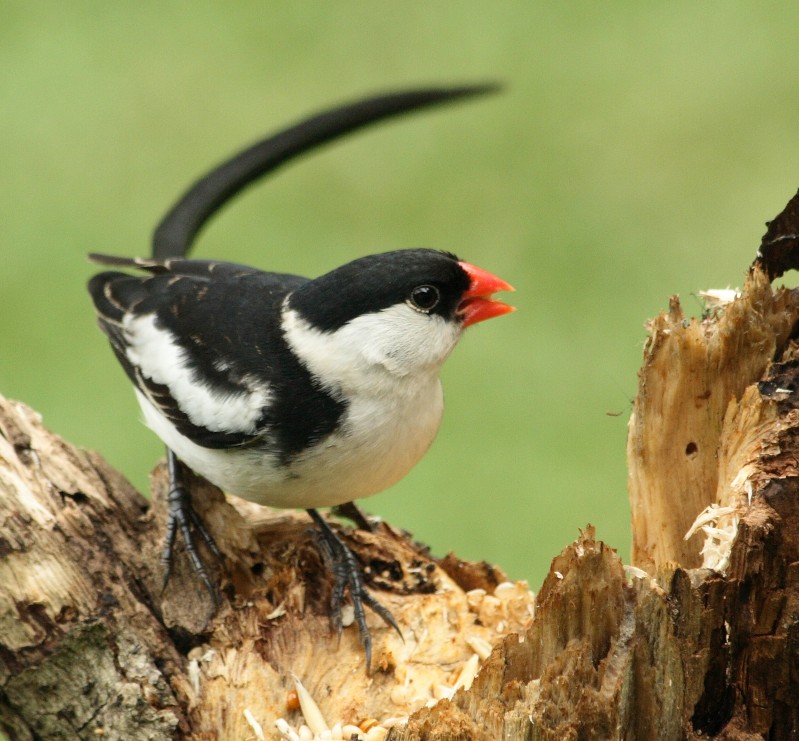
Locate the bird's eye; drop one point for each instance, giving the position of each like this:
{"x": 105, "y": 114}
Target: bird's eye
{"x": 424, "y": 298}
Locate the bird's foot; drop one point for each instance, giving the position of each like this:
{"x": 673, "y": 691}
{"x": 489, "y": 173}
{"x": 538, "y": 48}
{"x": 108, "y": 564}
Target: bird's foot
{"x": 348, "y": 575}
{"x": 182, "y": 516}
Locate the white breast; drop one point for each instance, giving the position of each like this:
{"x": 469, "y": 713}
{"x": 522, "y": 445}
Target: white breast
{"x": 376, "y": 446}
{"x": 385, "y": 366}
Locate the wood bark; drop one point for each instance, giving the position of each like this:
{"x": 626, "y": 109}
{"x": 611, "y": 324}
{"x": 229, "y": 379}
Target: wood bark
{"x": 698, "y": 638}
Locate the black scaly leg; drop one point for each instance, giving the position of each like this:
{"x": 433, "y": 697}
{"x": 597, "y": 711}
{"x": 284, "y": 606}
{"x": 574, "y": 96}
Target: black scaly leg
{"x": 181, "y": 514}
{"x": 347, "y": 572}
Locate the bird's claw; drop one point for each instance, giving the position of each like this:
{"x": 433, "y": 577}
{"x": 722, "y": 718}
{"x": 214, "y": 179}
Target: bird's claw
{"x": 348, "y": 575}
{"x": 182, "y": 516}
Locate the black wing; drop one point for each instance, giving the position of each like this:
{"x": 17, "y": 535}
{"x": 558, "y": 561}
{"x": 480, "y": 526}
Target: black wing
{"x": 213, "y": 330}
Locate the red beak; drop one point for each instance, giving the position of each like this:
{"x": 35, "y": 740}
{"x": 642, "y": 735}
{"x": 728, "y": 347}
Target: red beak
{"x": 477, "y": 304}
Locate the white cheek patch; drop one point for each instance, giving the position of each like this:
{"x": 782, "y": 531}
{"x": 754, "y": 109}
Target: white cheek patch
{"x": 408, "y": 341}
{"x": 397, "y": 341}
{"x": 154, "y": 351}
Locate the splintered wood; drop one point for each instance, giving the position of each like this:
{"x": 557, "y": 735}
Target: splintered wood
{"x": 698, "y": 420}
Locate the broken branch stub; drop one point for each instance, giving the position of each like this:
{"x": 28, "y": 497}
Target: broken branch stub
{"x": 689, "y": 437}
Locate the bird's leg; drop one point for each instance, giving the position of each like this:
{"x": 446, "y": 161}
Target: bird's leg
{"x": 353, "y": 513}
{"x": 347, "y": 572}
{"x": 181, "y": 515}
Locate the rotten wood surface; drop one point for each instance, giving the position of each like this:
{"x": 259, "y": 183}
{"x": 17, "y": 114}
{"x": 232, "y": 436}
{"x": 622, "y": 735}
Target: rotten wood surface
{"x": 698, "y": 638}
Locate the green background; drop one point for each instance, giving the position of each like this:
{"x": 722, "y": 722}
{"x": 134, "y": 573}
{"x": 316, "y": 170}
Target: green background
{"x": 636, "y": 153}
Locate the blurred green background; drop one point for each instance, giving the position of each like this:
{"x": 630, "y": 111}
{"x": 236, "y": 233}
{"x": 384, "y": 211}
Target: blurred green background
{"x": 636, "y": 153}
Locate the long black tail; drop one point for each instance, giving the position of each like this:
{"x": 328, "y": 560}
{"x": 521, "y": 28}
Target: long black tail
{"x": 174, "y": 235}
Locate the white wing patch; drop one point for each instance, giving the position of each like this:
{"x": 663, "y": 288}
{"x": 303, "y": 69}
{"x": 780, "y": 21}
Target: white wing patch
{"x": 154, "y": 351}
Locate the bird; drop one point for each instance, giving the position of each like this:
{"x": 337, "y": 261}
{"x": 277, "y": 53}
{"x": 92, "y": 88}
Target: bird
{"x": 289, "y": 391}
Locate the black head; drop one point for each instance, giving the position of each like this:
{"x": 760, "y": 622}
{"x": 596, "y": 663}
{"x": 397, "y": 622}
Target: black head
{"x": 428, "y": 281}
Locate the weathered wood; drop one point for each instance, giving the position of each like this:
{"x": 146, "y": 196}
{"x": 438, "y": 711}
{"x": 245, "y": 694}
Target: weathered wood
{"x": 692, "y": 371}
{"x": 80, "y": 647}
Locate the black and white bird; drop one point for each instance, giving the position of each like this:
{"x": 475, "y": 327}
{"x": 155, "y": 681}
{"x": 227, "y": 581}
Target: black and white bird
{"x": 287, "y": 391}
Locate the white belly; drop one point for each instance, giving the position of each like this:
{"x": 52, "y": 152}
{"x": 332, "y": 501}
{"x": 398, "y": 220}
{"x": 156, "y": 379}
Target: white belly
{"x": 378, "y": 443}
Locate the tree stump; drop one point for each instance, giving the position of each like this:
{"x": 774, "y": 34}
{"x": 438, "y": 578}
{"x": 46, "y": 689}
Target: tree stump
{"x": 698, "y": 638}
